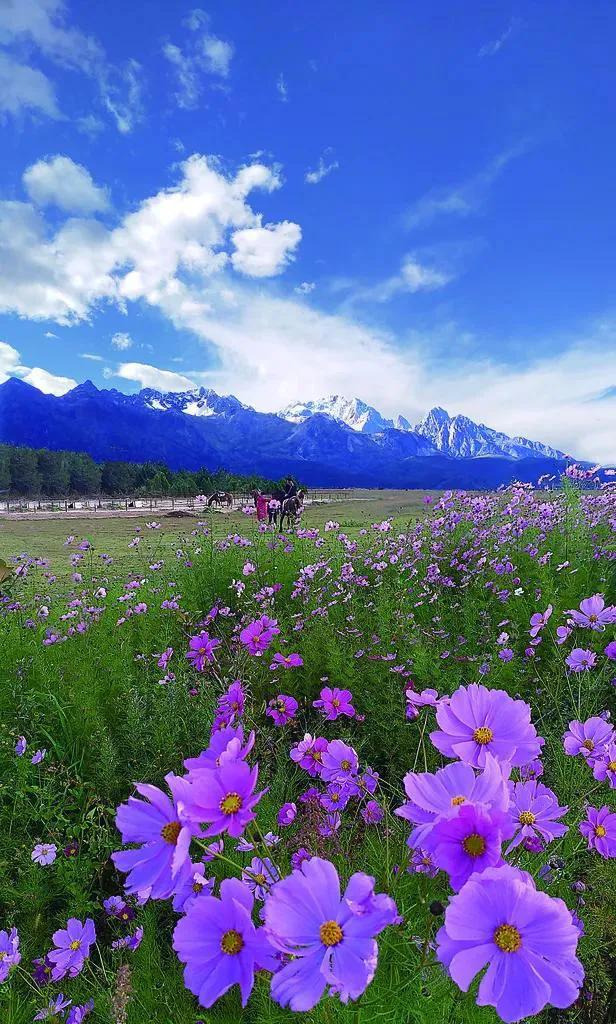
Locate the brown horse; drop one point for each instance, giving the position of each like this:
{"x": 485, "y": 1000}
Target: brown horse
{"x": 220, "y": 498}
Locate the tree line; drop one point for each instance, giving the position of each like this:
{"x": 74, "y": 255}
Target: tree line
{"x": 34, "y": 473}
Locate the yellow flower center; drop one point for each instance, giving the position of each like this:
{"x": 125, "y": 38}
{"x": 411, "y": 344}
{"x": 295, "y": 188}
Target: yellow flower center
{"x": 600, "y": 831}
{"x": 474, "y": 845}
{"x": 171, "y": 831}
{"x": 345, "y": 764}
{"x": 231, "y": 803}
{"x": 527, "y": 818}
{"x": 483, "y": 735}
{"x": 336, "y": 702}
{"x": 260, "y": 878}
{"x": 593, "y": 618}
{"x": 75, "y": 944}
{"x": 507, "y": 938}
{"x": 3, "y": 955}
{"x": 330, "y": 933}
{"x": 611, "y": 766}
{"x": 316, "y": 755}
{"x": 457, "y": 800}
{"x": 232, "y": 943}
{"x": 334, "y": 797}
{"x": 588, "y": 744}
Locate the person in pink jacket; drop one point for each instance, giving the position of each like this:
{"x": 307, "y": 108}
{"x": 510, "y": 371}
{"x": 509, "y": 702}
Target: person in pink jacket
{"x": 261, "y": 505}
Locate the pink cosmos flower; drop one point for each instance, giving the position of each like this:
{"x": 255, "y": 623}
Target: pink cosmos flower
{"x": 587, "y": 738}
{"x": 478, "y": 721}
{"x": 201, "y": 650}
{"x": 599, "y": 829}
{"x": 334, "y": 702}
{"x": 308, "y": 753}
{"x": 282, "y": 709}
{"x": 286, "y": 661}
{"x": 258, "y": 635}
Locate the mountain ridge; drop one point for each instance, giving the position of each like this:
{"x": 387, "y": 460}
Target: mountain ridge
{"x": 201, "y": 428}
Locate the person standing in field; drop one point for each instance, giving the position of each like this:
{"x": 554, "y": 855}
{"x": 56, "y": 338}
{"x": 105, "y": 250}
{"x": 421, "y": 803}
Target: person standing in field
{"x": 261, "y": 505}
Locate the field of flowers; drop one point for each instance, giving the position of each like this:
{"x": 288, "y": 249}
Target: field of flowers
{"x": 335, "y": 775}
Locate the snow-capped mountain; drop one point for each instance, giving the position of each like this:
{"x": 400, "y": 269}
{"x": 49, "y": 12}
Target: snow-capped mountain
{"x": 456, "y": 436}
{"x": 352, "y": 411}
{"x": 198, "y": 402}
{"x": 198, "y": 428}
{"x": 461, "y": 438}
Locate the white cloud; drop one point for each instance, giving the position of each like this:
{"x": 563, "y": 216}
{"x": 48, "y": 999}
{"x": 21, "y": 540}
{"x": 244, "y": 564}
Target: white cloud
{"x": 413, "y": 276}
{"x": 152, "y": 377}
{"x": 323, "y": 169}
{"x": 121, "y": 340}
{"x": 59, "y": 181}
{"x": 90, "y": 125}
{"x": 464, "y": 198}
{"x": 265, "y": 251}
{"x": 417, "y": 278}
{"x": 305, "y": 288}
{"x": 492, "y": 48}
{"x": 25, "y": 89}
{"x": 176, "y": 253}
{"x": 42, "y": 22}
{"x": 122, "y": 95}
{"x": 203, "y": 54}
{"x": 281, "y": 86}
{"x": 10, "y": 366}
{"x": 50, "y": 334}
{"x": 49, "y": 383}
{"x": 91, "y": 356}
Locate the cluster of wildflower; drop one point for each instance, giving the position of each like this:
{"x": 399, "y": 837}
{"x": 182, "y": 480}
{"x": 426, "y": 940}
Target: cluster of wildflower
{"x": 331, "y": 943}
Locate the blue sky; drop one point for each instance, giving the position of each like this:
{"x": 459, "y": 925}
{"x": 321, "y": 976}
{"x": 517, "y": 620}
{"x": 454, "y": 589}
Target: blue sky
{"x": 408, "y": 202}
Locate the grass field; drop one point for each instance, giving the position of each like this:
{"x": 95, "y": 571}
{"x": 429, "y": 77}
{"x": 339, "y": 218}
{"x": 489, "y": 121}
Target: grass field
{"x": 383, "y": 596}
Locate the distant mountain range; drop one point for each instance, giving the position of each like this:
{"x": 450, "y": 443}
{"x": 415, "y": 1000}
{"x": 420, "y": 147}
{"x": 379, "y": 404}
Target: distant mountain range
{"x": 332, "y": 442}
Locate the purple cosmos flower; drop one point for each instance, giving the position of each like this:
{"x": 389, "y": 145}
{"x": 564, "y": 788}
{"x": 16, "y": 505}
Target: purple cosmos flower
{"x": 230, "y": 705}
{"x": 308, "y": 753}
{"x": 77, "y": 1014}
{"x": 335, "y": 702}
{"x": 132, "y": 941}
{"x": 539, "y": 620}
{"x": 201, "y": 650}
{"x": 115, "y": 906}
{"x": 165, "y": 837}
{"x": 43, "y": 968}
{"x": 72, "y": 947}
{"x": 193, "y": 883}
{"x": 414, "y": 701}
{"x": 604, "y": 767}
{"x": 587, "y": 738}
{"x": 220, "y": 945}
{"x": 282, "y": 709}
{"x": 20, "y": 746}
{"x": 298, "y": 858}
{"x": 562, "y": 632}
{"x": 527, "y": 939}
{"x": 286, "y": 814}
{"x": 593, "y": 614}
{"x": 433, "y": 796}
{"x": 54, "y": 1008}
{"x": 259, "y": 876}
{"x": 469, "y": 841}
{"x": 222, "y": 799}
{"x": 38, "y": 756}
{"x": 340, "y": 762}
{"x": 335, "y": 797}
{"x": 286, "y": 661}
{"x": 580, "y": 660}
{"x": 330, "y": 938}
{"x": 226, "y": 744}
{"x": 534, "y": 812}
{"x": 421, "y": 863}
{"x": 506, "y": 654}
{"x": 372, "y": 812}
{"x": 532, "y": 770}
{"x": 599, "y": 829}
{"x": 478, "y": 721}
{"x": 44, "y": 854}
{"x": 9, "y": 952}
{"x": 610, "y": 650}
{"x": 258, "y": 635}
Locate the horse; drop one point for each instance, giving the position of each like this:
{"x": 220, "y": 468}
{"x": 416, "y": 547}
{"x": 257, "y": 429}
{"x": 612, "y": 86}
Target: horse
{"x": 220, "y": 498}
{"x": 290, "y": 509}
